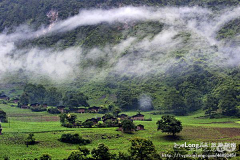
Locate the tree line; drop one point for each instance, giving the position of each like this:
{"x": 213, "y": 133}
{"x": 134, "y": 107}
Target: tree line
{"x": 52, "y": 96}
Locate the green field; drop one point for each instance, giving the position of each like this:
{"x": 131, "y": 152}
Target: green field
{"x": 47, "y": 131}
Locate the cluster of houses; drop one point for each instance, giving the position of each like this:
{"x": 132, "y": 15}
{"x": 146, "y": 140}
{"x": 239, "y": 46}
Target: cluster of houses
{"x": 4, "y": 97}
{"x": 138, "y": 128}
{"x": 137, "y": 117}
{"x": 93, "y": 109}
{"x": 62, "y": 109}
{"x": 33, "y": 105}
{"x": 119, "y": 118}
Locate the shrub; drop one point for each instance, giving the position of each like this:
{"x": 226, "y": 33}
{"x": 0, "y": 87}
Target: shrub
{"x": 101, "y": 125}
{"x": 110, "y": 123}
{"x": 53, "y": 110}
{"x": 87, "y": 124}
{"x": 78, "y": 123}
{"x": 70, "y": 118}
{"x": 101, "y": 152}
{"x": 45, "y": 157}
{"x": 6, "y": 158}
{"x": 3, "y": 116}
{"x": 73, "y": 139}
{"x": 68, "y": 125}
{"x": 38, "y": 109}
{"x": 79, "y": 155}
{"x": 142, "y": 149}
{"x": 169, "y": 124}
{"x": 30, "y": 140}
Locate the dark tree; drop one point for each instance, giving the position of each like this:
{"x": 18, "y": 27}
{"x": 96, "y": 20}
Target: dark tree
{"x": 53, "y": 110}
{"x": 82, "y": 154}
{"x": 87, "y": 124}
{"x": 24, "y": 99}
{"x": 70, "y": 118}
{"x": 116, "y": 111}
{"x": 74, "y": 139}
{"x": 128, "y": 126}
{"x": 169, "y": 124}
{"x": 36, "y": 93}
{"x": 3, "y": 116}
{"x": 229, "y": 105}
{"x": 45, "y": 157}
{"x": 30, "y": 140}
{"x": 53, "y": 96}
{"x": 75, "y": 99}
{"x": 228, "y": 94}
{"x": 101, "y": 152}
{"x": 142, "y": 149}
{"x": 108, "y": 116}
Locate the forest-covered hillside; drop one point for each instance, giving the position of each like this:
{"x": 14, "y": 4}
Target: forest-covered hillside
{"x": 176, "y": 56}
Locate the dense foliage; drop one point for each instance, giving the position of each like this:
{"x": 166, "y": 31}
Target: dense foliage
{"x": 141, "y": 149}
{"x": 169, "y": 124}
{"x": 128, "y": 126}
{"x": 74, "y": 99}
{"x": 45, "y": 157}
{"x": 15, "y": 12}
{"x": 183, "y": 89}
{"x": 3, "y": 116}
{"x": 74, "y": 139}
{"x": 52, "y": 96}
{"x": 30, "y": 140}
{"x": 53, "y": 110}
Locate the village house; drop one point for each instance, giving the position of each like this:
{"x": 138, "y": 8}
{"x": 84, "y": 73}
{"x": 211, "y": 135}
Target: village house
{"x": 4, "y": 97}
{"x": 138, "y": 117}
{"x": 94, "y": 109}
{"x": 24, "y": 106}
{"x": 35, "y": 105}
{"x": 16, "y": 100}
{"x": 44, "y": 105}
{"x": 61, "y": 108}
{"x": 140, "y": 127}
{"x": 81, "y": 110}
{"x": 120, "y": 129}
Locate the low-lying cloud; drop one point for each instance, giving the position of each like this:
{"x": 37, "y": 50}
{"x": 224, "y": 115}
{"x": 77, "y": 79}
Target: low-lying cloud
{"x": 192, "y": 30}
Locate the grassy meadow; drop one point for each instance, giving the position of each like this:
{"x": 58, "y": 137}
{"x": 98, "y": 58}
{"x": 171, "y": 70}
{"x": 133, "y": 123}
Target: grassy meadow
{"x": 47, "y": 130}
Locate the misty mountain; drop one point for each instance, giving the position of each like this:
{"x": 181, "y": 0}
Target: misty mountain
{"x": 176, "y": 53}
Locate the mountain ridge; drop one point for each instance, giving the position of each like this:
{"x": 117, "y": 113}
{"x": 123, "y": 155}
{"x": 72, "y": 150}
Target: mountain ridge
{"x": 168, "y": 54}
